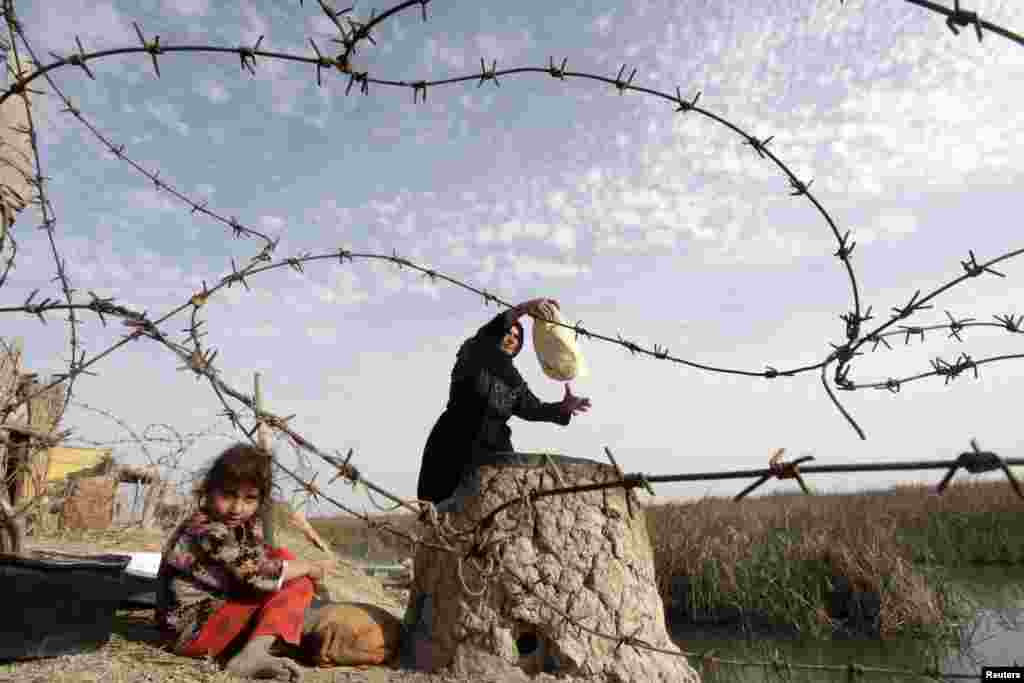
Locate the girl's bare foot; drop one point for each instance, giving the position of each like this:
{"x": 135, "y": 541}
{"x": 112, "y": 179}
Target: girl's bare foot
{"x": 255, "y": 661}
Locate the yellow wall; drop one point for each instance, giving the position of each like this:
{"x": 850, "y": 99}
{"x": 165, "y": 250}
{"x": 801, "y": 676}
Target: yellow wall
{"x": 64, "y": 460}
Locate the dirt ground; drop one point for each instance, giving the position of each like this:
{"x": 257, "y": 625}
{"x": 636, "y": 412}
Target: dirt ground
{"x": 134, "y": 652}
{"x": 134, "y": 655}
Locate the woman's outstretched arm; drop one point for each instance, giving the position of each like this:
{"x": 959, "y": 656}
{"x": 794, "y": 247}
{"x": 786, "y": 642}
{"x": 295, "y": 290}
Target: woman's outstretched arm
{"x": 532, "y": 409}
{"x": 504, "y": 320}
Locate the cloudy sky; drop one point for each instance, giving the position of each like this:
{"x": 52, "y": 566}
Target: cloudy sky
{"x": 641, "y": 221}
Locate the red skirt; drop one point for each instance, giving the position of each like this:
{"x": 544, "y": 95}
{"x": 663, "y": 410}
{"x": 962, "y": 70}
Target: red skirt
{"x": 279, "y": 614}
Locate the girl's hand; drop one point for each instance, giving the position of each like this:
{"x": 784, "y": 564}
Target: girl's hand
{"x": 574, "y": 404}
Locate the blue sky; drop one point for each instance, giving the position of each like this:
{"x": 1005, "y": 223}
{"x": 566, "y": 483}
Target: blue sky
{"x": 641, "y": 221}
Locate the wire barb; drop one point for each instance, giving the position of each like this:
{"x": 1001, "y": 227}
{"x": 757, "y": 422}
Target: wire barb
{"x": 419, "y": 88}
{"x": 759, "y": 146}
{"x": 799, "y": 187}
{"x": 972, "y": 268}
{"x": 152, "y": 48}
{"x": 683, "y": 105}
{"x": 952, "y": 371}
{"x": 488, "y": 74}
{"x": 845, "y": 250}
{"x": 247, "y": 56}
{"x": 853, "y": 322}
{"x": 360, "y": 78}
{"x": 559, "y": 71}
{"x": 910, "y": 330}
{"x": 620, "y": 84}
{"x": 912, "y": 307}
{"x": 955, "y": 326}
{"x": 78, "y": 59}
{"x": 1010, "y": 322}
{"x": 961, "y": 17}
{"x": 779, "y": 470}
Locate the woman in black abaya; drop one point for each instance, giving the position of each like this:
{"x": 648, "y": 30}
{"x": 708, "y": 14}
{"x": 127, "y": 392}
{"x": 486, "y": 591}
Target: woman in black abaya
{"x": 486, "y": 389}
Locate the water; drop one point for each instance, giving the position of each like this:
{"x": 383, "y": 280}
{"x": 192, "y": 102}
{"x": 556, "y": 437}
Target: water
{"x": 993, "y": 637}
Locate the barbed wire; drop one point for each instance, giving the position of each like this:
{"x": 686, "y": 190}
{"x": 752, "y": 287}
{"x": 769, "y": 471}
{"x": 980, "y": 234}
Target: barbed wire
{"x": 200, "y": 361}
{"x": 842, "y": 354}
{"x": 975, "y": 461}
{"x": 106, "y": 306}
{"x": 38, "y": 182}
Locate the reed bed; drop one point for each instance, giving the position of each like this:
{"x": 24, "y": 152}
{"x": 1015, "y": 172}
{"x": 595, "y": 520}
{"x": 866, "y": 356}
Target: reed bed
{"x": 780, "y": 557}
{"x": 350, "y": 536}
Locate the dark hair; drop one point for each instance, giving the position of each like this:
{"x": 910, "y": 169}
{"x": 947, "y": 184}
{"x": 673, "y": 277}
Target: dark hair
{"x": 239, "y": 464}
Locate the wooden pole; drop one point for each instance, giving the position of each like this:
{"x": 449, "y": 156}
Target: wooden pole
{"x": 263, "y": 440}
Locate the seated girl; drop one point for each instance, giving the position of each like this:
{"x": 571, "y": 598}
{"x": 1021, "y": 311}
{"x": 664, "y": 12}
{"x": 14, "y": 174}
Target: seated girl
{"x": 221, "y": 591}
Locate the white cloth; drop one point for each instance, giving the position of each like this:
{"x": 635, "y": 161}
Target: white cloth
{"x": 559, "y": 357}
{"x": 145, "y": 565}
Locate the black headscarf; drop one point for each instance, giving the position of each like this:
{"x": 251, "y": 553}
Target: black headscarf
{"x": 484, "y": 350}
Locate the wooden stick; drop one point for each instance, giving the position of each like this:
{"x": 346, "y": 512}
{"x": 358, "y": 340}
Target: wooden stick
{"x": 263, "y": 439}
{"x": 309, "y": 532}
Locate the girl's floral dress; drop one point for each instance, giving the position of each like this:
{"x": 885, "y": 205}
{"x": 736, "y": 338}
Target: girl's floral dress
{"x": 205, "y": 564}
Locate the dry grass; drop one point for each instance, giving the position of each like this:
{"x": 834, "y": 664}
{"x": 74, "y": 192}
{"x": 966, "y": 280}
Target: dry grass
{"x": 350, "y": 536}
{"x": 776, "y": 555}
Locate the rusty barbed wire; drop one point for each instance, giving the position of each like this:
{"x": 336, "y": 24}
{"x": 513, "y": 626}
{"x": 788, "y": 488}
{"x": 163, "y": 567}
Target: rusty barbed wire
{"x": 1009, "y": 322}
{"x": 356, "y": 32}
{"x": 181, "y": 440}
{"x": 843, "y": 354}
{"x": 490, "y": 74}
{"x": 974, "y": 461}
{"x": 201, "y": 362}
{"x": 195, "y": 361}
{"x": 41, "y": 200}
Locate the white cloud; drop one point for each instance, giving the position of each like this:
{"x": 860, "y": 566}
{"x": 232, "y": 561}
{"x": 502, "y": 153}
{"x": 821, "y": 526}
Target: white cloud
{"x": 98, "y": 25}
{"x": 603, "y": 24}
{"x": 148, "y": 199}
{"x": 503, "y": 48}
{"x": 188, "y": 8}
{"x": 330, "y": 213}
{"x": 564, "y": 237}
{"x": 525, "y": 265}
{"x": 447, "y": 54}
{"x": 898, "y": 223}
{"x": 386, "y": 208}
{"x": 342, "y": 288}
{"x": 212, "y": 90}
{"x": 169, "y": 115}
{"x": 255, "y": 24}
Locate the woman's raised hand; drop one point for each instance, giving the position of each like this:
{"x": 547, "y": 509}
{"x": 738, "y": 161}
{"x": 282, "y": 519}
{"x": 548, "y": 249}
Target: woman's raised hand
{"x": 574, "y": 404}
{"x": 533, "y": 306}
